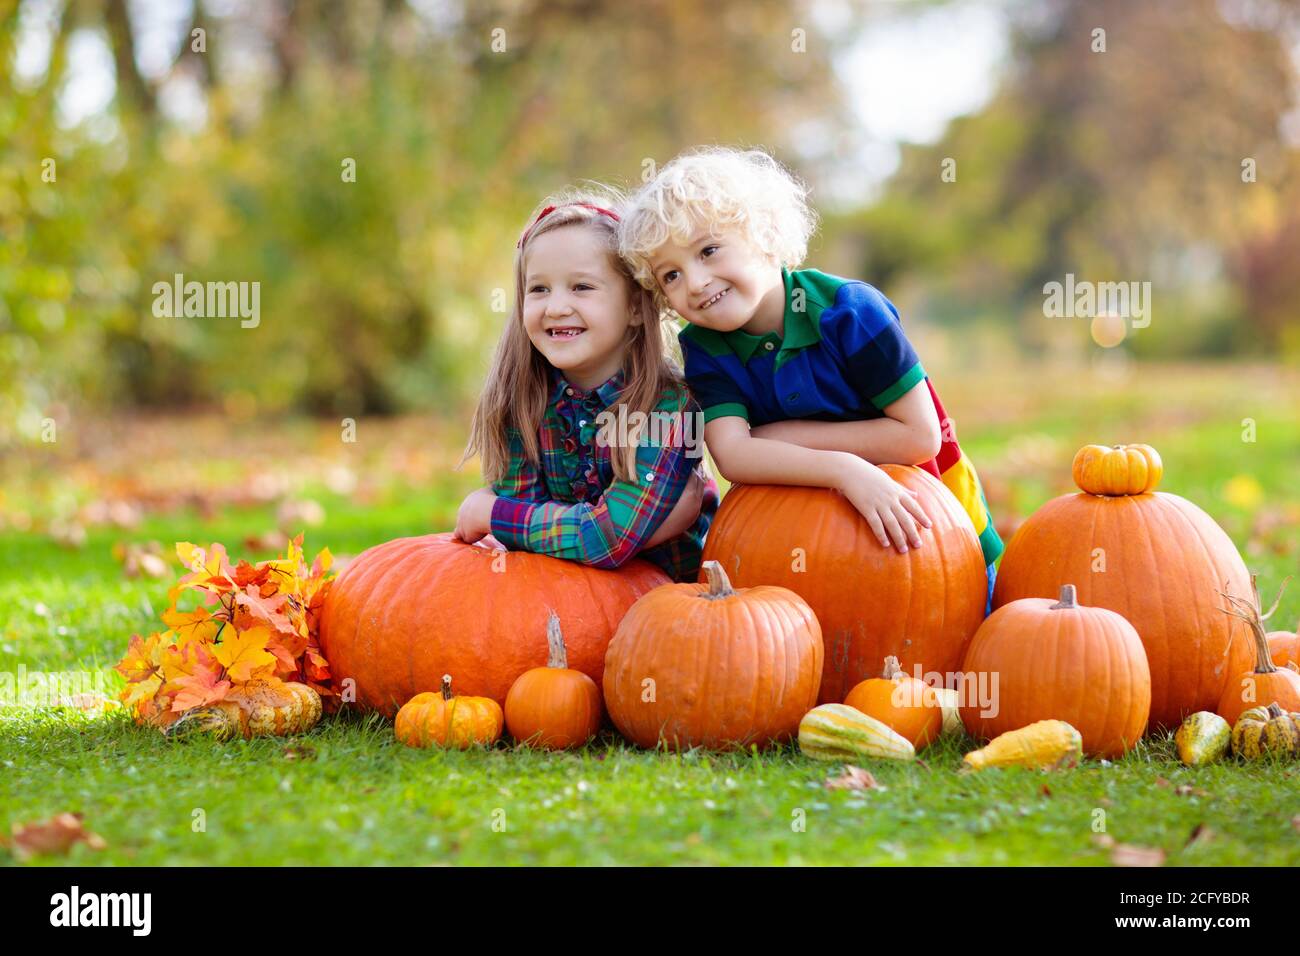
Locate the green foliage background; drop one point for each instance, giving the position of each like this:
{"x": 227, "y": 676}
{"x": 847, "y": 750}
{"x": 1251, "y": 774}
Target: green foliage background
{"x": 377, "y": 296}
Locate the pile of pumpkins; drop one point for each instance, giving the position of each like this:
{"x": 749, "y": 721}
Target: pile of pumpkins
{"x": 1109, "y": 621}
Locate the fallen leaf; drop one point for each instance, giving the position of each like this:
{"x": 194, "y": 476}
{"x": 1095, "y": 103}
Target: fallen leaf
{"x": 299, "y": 752}
{"x": 1161, "y": 782}
{"x": 1045, "y": 790}
{"x": 53, "y": 836}
{"x": 1187, "y": 790}
{"x": 854, "y": 778}
{"x": 1126, "y": 854}
{"x": 1200, "y": 834}
{"x": 89, "y": 702}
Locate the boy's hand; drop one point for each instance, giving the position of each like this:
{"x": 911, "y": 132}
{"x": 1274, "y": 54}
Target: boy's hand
{"x": 684, "y": 513}
{"x": 474, "y": 519}
{"x": 892, "y": 510}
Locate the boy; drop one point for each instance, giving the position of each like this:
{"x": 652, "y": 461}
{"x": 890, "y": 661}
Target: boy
{"x": 804, "y": 378}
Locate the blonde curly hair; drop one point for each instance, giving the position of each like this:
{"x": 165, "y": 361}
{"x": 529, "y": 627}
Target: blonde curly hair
{"x": 718, "y": 188}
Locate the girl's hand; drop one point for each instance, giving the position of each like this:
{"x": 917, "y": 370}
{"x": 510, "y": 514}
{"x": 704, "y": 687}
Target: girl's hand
{"x": 684, "y": 513}
{"x": 474, "y": 519}
{"x": 892, "y": 510}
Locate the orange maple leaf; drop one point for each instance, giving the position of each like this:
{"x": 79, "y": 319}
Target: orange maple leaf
{"x": 244, "y": 655}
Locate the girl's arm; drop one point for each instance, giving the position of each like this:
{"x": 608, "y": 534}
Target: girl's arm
{"x": 909, "y": 434}
{"x": 608, "y": 532}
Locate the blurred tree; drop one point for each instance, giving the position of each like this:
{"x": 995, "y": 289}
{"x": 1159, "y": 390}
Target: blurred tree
{"x": 1114, "y": 150}
{"x": 234, "y": 164}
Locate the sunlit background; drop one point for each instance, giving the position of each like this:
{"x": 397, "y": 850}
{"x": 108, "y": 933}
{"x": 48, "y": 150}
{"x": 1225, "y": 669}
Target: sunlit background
{"x": 1153, "y": 142}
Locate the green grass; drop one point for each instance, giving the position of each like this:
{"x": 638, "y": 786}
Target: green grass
{"x": 346, "y": 793}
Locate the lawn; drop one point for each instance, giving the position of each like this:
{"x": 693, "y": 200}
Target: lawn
{"x": 347, "y": 794}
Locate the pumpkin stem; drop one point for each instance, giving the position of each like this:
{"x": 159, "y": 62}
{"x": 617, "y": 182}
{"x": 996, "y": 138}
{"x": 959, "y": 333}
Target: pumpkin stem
{"x": 558, "y": 657}
{"x": 1248, "y": 611}
{"x": 1069, "y": 599}
{"x": 892, "y": 669}
{"x": 719, "y": 583}
{"x": 1275, "y": 711}
{"x": 446, "y": 687}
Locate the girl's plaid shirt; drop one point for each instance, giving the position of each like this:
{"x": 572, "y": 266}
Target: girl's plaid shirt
{"x": 571, "y": 505}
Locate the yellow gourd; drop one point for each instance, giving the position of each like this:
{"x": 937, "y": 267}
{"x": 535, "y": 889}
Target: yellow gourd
{"x": 1202, "y": 738}
{"x": 950, "y": 704}
{"x": 1045, "y": 744}
{"x": 840, "y": 732}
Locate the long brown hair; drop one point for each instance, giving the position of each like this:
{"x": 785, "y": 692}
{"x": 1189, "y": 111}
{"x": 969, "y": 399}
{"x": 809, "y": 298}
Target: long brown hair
{"x": 518, "y": 382}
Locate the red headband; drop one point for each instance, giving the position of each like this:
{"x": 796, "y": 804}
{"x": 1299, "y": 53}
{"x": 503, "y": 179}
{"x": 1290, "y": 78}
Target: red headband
{"x": 550, "y": 209}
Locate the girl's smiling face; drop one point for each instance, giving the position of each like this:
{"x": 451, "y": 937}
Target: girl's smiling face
{"x": 576, "y": 309}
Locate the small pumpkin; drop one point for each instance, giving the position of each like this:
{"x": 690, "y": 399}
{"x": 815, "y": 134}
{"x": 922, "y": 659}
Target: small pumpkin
{"x": 1117, "y": 470}
{"x": 1284, "y": 648}
{"x": 1045, "y": 745}
{"x": 553, "y": 706}
{"x": 841, "y": 732}
{"x": 902, "y": 703}
{"x": 443, "y": 720}
{"x": 258, "y": 708}
{"x": 1267, "y": 683}
{"x": 1261, "y": 731}
{"x": 1202, "y": 738}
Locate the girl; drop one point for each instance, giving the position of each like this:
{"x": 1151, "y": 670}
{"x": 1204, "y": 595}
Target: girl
{"x": 585, "y": 338}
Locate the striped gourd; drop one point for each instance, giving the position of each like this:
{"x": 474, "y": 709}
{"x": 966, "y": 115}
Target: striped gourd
{"x": 1266, "y": 730}
{"x": 1202, "y": 738}
{"x": 1044, "y": 744}
{"x": 255, "y": 709}
{"x": 840, "y": 732}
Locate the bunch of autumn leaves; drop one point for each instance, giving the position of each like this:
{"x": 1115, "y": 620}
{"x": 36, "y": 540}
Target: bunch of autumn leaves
{"x": 256, "y": 624}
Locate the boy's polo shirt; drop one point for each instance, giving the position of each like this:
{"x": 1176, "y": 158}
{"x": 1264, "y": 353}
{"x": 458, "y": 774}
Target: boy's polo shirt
{"x": 843, "y": 357}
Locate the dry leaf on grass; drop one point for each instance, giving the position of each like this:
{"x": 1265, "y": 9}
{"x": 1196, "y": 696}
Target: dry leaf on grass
{"x": 53, "y": 836}
{"x": 854, "y": 778}
{"x": 1125, "y": 854}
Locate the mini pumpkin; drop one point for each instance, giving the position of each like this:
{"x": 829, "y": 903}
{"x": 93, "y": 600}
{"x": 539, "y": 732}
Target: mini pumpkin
{"x": 1266, "y": 683}
{"x": 1261, "y": 731}
{"x": 1117, "y": 470}
{"x": 905, "y": 704}
{"x": 443, "y": 720}
{"x": 553, "y": 706}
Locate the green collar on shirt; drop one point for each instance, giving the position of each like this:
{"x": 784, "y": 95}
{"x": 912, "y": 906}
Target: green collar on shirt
{"x": 800, "y": 327}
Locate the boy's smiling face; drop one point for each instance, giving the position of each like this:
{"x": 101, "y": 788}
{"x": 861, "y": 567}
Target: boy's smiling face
{"x": 720, "y": 282}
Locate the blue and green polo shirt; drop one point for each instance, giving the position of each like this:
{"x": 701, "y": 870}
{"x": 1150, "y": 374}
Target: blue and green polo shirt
{"x": 843, "y": 357}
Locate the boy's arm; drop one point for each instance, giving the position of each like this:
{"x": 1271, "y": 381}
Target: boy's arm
{"x": 909, "y": 434}
{"x": 744, "y": 458}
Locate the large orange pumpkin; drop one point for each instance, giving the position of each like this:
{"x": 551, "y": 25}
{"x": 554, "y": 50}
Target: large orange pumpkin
{"x": 404, "y": 613}
{"x": 710, "y": 666}
{"x": 872, "y": 602}
{"x": 1157, "y": 560}
{"x": 1060, "y": 661}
